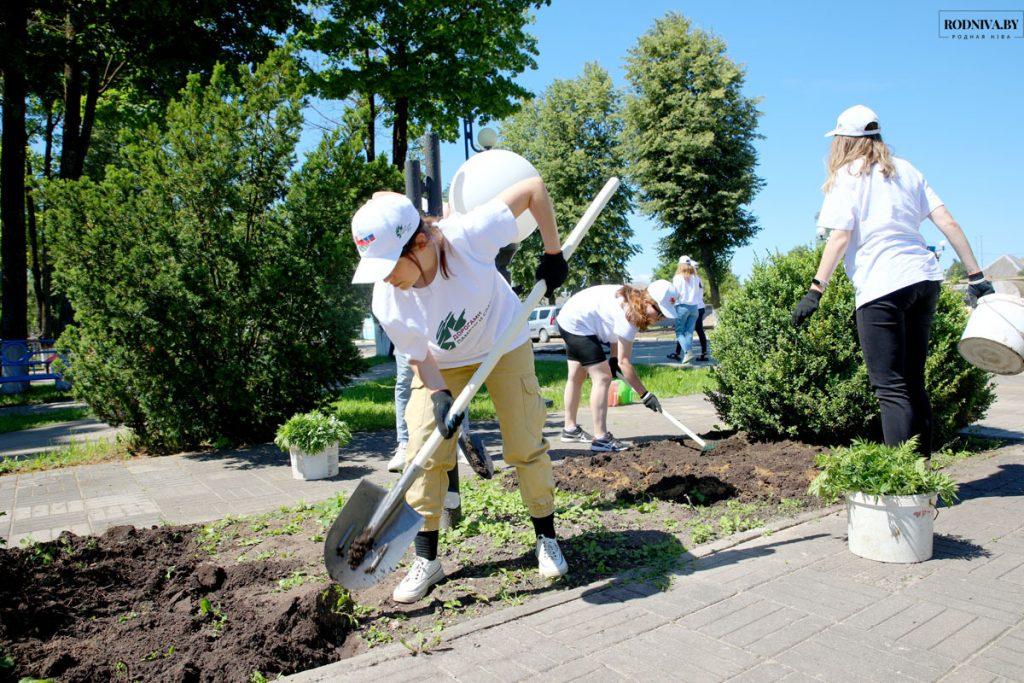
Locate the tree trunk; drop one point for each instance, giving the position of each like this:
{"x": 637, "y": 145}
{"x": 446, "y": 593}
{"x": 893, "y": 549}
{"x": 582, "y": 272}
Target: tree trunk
{"x": 13, "y": 261}
{"x": 72, "y": 120}
{"x": 711, "y": 267}
{"x": 371, "y": 132}
{"x": 371, "y": 125}
{"x": 400, "y": 135}
{"x": 42, "y": 309}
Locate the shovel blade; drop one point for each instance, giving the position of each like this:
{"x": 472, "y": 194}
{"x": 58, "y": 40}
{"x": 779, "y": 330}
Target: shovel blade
{"x": 389, "y": 544}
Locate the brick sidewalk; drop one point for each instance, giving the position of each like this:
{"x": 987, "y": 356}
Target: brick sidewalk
{"x": 795, "y": 606}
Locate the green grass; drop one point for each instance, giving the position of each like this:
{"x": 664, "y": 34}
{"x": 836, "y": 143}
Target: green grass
{"x": 370, "y": 406}
{"x": 85, "y": 453}
{"x": 15, "y": 423}
{"x": 46, "y": 393}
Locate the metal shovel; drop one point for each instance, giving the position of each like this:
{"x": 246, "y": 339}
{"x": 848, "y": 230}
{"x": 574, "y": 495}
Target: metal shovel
{"x": 380, "y": 524}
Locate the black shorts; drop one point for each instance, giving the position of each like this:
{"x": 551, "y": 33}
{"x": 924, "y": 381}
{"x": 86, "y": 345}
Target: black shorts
{"x": 586, "y": 350}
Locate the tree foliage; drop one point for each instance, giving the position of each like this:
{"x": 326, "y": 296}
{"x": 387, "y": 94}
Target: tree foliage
{"x": 690, "y": 133}
{"x": 776, "y": 381}
{"x": 571, "y": 134}
{"x": 430, "y": 62}
{"x": 209, "y": 279}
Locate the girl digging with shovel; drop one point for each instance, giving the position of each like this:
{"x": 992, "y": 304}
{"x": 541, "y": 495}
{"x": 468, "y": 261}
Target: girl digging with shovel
{"x": 612, "y": 314}
{"x": 444, "y": 304}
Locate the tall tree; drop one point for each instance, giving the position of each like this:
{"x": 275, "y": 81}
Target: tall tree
{"x": 571, "y": 134}
{"x": 425, "y": 62}
{"x": 82, "y": 52}
{"x": 13, "y": 63}
{"x": 690, "y": 133}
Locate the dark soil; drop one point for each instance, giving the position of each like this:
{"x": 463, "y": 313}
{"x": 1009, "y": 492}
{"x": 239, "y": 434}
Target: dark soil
{"x": 241, "y": 595}
{"x": 678, "y": 471}
{"x": 145, "y": 604}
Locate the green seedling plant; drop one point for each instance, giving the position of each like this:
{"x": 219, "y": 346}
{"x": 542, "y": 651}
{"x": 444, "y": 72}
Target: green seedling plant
{"x": 701, "y": 532}
{"x": 312, "y": 432}
{"x": 293, "y": 580}
{"x": 215, "y": 613}
{"x": 878, "y": 470}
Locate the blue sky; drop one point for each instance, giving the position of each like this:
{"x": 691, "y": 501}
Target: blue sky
{"x": 953, "y": 108}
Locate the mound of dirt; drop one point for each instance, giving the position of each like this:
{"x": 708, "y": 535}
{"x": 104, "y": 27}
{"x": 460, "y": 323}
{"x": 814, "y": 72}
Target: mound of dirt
{"x": 676, "y": 470}
{"x": 147, "y": 604}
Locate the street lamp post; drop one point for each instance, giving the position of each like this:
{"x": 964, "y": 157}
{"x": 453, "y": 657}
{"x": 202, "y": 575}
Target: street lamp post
{"x": 486, "y": 138}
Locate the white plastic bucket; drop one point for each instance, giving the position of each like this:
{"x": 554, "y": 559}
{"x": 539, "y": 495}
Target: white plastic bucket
{"x": 890, "y": 528}
{"x": 994, "y": 338}
{"x": 483, "y": 176}
{"x": 322, "y": 465}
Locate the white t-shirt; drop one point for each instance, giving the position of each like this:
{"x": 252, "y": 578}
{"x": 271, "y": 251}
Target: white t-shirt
{"x": 457, "y": 319}
{"x": 689, "y": 290}
{"x": 597, "y": 311}
{"x": 887, "y": 251}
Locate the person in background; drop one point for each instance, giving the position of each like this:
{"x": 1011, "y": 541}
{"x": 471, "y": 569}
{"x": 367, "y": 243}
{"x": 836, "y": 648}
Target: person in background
{"x": 688, "y": 284}
{"x": 874, "y": 206}
{"x": 607, "y": 314}
{"x": 699, "y": 325}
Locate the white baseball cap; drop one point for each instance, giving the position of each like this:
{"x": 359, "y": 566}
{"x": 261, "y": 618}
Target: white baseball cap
{"x": 381, "y": 228}
{"x": 688, "y": 261}
{"x": 665, "y": 295}
{"x": 854, "y": 123}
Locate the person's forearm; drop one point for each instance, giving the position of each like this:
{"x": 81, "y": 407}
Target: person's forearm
{"x": 629, "y": 374}
{"x": 945, "y": 222}
{"x": 544, "y": 212}
{"x": 835, "y": 249}
{"x": 429, "y": 373}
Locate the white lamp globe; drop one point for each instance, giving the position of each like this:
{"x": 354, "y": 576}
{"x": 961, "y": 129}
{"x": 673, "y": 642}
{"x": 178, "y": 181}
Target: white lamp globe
{"x": 487, "y": 138}
{"x": 483, "y": 176}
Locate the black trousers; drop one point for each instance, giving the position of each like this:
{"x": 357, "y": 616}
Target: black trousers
{"x": 894, "y": 331}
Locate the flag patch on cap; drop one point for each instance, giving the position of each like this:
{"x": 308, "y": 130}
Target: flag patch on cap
{"x": 363, "y": 243}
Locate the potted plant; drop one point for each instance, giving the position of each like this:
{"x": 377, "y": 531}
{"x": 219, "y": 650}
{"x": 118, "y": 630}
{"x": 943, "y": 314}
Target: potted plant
{"x": 312, "y": 440}
{"x": 891, "y": 495}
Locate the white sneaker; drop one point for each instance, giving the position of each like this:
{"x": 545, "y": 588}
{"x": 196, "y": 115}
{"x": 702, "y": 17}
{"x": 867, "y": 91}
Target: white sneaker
{"x": 422, "y": 575}
{"x": 397, "y": 461}
{"x": 550, "y": 560}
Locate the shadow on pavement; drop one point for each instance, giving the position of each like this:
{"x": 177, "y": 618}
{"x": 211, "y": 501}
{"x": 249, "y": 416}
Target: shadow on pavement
{"x": 951, "y": 546}
{"x": 1007, "y": 482}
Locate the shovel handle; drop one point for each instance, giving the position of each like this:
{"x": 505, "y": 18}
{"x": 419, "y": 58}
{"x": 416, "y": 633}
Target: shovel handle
{"x": 461, "y": 402}
{"x": 686, "y": 430}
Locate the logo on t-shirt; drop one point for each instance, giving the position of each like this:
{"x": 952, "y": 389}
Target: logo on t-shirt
{"x": 453, "y": 331}
{"x": 448, "y": 328}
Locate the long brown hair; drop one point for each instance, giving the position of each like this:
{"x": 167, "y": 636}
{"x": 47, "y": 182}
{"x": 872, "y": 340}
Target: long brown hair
{"x": 428, "y": 227}
{"x": 637, "y": 302}
{"x": 846, "y": 149}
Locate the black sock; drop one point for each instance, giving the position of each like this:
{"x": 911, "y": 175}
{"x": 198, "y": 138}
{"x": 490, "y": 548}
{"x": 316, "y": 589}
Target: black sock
{"x": 544, "y": 526}
{"x": 426, "y": 545}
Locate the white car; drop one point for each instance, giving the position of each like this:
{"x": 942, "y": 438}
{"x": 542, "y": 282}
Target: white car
{"x": 542, "y": 323}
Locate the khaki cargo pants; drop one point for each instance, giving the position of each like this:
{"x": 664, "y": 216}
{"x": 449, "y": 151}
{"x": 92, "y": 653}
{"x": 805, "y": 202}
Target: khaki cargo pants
{"x": 515, "y": 391}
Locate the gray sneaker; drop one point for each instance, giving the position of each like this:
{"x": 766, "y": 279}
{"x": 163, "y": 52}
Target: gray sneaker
{"x": 608, "y": 444}
{"x": 576, "y": 436}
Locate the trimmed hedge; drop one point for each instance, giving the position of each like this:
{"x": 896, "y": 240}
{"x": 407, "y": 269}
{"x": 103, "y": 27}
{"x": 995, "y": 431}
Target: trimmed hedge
{"x": 775, "y": 381}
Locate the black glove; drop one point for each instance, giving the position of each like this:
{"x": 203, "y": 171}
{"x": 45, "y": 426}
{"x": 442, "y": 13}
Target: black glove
{"x": 979, "y": 286}
{"x": 806, "y": 308}
{"x": 442, "y": 404}
{"x": 553, "y": 270}
{"x": 613, "y": 363}
{"x": 651, "y": 401}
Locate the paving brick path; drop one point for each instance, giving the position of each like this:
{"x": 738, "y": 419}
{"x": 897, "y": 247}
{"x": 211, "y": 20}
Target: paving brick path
{"x": 794, "y": 606}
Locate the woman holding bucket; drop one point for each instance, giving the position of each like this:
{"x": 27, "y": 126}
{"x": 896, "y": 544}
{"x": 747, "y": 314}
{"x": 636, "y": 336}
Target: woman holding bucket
{"x": 611, "y": 314}
{"x": 440, "y": 298}
{"x": 874, "y": 205}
